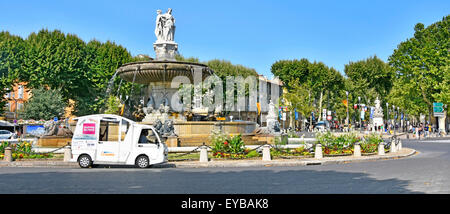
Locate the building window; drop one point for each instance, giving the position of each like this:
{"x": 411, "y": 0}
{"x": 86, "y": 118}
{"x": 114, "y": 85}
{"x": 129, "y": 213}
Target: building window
{"x": 8, "y": 107}
{"x": 19, "y": 106}
{"x": 20, "y": 91}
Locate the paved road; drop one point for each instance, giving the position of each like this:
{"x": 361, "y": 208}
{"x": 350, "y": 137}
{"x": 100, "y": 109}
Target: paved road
{"x": 426, "y": 172}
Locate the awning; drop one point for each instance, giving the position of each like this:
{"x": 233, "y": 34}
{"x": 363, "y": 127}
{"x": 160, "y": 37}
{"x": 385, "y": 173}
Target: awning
{"x": 5, "y": 123}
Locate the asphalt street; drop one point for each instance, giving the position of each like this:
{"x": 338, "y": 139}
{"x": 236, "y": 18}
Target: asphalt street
{"x": 425, "y": 172}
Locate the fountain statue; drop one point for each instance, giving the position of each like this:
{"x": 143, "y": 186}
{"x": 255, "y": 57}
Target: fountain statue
{"x": 272, "y": 123}
{"x": 165, "y": 47}
{"x": 377, "y": 114}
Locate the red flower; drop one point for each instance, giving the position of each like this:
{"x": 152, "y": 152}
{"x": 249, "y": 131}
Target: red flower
{"x": 226, "y": 143}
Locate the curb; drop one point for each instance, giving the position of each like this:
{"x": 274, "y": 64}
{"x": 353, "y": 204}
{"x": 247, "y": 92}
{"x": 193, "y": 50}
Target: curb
{"x": 302, "y": 162}
{"x": 231, "y": 163}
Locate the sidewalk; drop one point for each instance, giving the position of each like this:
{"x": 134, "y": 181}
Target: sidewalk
{"x": 404, "y": 152}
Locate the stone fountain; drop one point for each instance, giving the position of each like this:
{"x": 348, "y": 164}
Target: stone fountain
{"x": 160, "y": 74}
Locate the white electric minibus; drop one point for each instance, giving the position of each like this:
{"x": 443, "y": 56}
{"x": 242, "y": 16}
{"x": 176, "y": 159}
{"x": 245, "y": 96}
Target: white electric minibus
{"x": 115, "y": 140}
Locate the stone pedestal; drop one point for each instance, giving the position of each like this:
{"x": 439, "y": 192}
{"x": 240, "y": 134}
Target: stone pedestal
{"x": 165, "y": 51}
{"x": 172, "y": 141}
{"x": 357, "y": 150}
{"x": 203, "y": 154}
{"x": 381, "y": 149}
{"x": 318, "y": 151}
{"x": 8, "y": 154}
{"x": 266, "y": 153}
{"x": 393, "y": 146}
{"x": 67, "y": 153}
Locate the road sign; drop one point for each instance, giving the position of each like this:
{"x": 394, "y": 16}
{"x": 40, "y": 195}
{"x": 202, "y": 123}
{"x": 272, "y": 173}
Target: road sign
{"x": 329, "y": 117}
{"x": 438, "y": 109}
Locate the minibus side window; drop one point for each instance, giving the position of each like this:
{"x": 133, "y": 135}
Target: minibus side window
{"x": 109, "y": 131}
{"x": 148, "y": 136}
{"x": 124, "y": 129}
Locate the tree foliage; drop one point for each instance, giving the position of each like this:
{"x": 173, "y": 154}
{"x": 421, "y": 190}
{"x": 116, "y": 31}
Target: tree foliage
{"x": 44, "y": 104}
{"x": 304, "y": 79}
{"x": 12, "y": 57}
{"x": 422, "y": 68}
{"x": 80, "y": 71}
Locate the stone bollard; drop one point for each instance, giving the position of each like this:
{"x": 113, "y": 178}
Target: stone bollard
{"x": 318, "y": 151}
{"x": 381, "y": 148}
{"x": 399, "y": 146}
{"x": 67, "y": 153}
{"x": 266, "y": 153}
{"x": 393, "y": 146}
{"x": 8, "y": 154}
{"x": 203, "y": 154}
{"x": 357, "y": 150}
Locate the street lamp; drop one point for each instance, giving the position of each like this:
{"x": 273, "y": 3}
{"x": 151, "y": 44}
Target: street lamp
{"x": 346, "y": 92}
{"x": 387, "y": 115}
{"x": 359, "y": 104}
{"x": 394, "y": 119}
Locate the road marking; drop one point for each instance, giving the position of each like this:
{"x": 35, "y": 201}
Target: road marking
{"x": 436, "y": 141}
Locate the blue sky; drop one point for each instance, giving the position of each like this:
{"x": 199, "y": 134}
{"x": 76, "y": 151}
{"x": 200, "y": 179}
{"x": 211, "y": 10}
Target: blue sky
{"x": 248, "y": 32}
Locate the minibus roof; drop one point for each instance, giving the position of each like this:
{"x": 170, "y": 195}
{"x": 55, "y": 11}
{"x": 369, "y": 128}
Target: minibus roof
{"x": 107, "y": 117}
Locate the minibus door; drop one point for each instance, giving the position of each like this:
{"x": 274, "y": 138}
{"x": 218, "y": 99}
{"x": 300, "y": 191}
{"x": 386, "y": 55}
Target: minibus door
{"x": 108, "y": 144}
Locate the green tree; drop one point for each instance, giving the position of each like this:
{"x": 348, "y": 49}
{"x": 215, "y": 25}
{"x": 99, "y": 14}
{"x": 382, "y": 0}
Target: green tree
{"x": 44, "y": 104}
{"x": 422, "y": 68}
{"x": 320, "y": 80}
{"x": 103, "y": 59}
{"x": 369, "y": 79}
{"x": 12, "y": 57}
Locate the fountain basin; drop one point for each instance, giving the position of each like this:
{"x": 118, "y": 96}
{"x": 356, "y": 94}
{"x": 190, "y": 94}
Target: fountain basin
{"x": 160, "y": 71}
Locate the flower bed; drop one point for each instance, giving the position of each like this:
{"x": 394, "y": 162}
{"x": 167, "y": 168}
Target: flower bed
{"x": 297, "y": 152}
{"x": 337, "y": 145}
{"x": 228, "y": 146}
{"x": 344, "y": 144}
{"x": 370, "y": 144}
{"x": 22, "y": 150}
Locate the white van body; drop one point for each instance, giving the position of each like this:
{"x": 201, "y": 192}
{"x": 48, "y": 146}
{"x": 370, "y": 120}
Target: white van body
{"x": 114, "y": 140}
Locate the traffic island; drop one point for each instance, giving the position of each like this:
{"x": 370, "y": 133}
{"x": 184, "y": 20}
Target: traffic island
{"x": 402, "y": 153}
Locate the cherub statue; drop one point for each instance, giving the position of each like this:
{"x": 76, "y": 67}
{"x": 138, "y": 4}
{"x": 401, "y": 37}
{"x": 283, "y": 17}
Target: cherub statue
{"x": 139, "y": 113}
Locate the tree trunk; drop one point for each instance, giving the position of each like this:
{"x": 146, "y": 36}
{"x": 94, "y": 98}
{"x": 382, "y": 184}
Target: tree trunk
{"x": 320, "y": 106}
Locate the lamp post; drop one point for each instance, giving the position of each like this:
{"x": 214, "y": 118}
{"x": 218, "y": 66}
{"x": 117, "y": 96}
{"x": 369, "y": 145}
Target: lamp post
{"x": 346, "y": 121}
{"x": 394, "y": 119}
{"x": 359, "y": 104}
{"x": 387, "y": 115}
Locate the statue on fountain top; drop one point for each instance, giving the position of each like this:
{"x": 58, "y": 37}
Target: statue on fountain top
{"x": 165, "y": 26}
{"x": 165, "y": 47}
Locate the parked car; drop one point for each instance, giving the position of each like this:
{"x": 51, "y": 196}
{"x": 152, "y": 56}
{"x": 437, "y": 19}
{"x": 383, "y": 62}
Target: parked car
{"x": 5, "y": 134}
{"x": 322, "y": 126}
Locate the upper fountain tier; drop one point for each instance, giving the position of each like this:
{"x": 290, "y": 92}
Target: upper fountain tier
{"x": 165, "y": 67}
{"x": 160, "y": 71}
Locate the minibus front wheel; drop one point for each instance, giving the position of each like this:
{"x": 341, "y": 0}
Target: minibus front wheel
{"x": 85, "y": 161}
{"x": 142, "y": 161}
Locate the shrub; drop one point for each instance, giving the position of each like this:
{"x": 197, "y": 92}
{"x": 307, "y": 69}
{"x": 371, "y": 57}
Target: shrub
{"x": 371, "y": 142}
{"x": 342, "y": 144}
{"x": 227, "y": 146}
{"x": 252, "y": 154}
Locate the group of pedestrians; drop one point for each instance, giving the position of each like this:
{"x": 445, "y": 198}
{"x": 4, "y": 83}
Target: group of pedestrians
{"x": 424, "y": 130}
